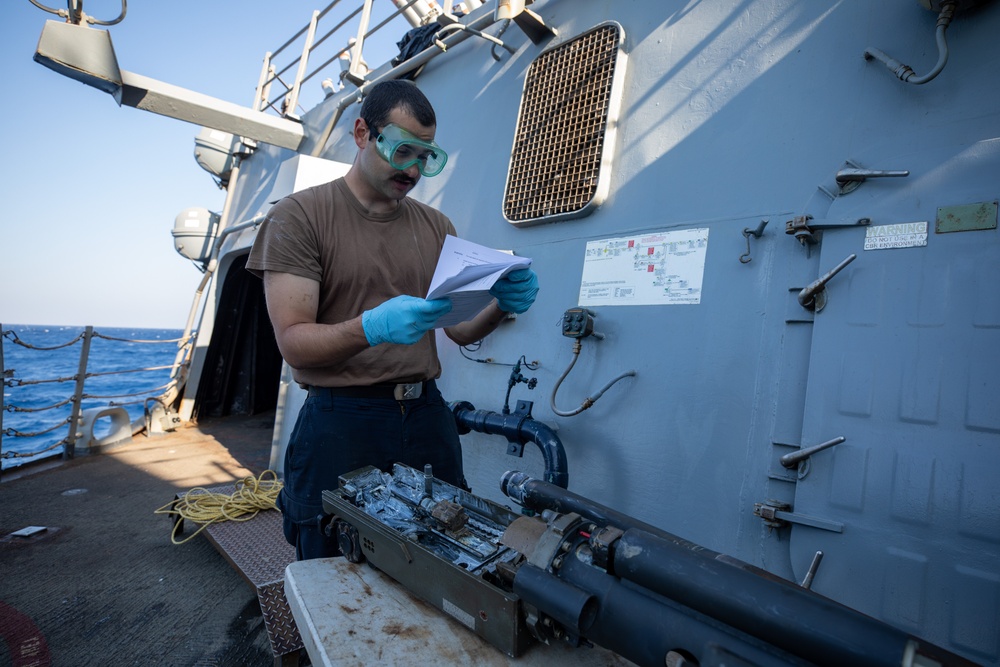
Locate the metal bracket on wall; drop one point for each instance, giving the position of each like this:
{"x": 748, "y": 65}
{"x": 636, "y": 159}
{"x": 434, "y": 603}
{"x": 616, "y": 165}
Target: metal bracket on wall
{"x": 849, "y": 178}
{"x": 804, "y": 227}
{"x": 777, "y": 514}
{"x": 796, "y": 464}
{"x": 522, "y": 409}
{"x": 813, "y": 296}
{"x": 795, "y": 459}
{"x": 745, "y": 258}
{"x": 811, "y": 573}
{"x": 852, "y": 175}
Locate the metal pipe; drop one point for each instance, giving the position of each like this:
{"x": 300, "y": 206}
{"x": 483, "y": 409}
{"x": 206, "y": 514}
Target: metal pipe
{"x": 573, "y": 607}
{"x": 74, "y": 13}
{"x": 537, "y": 495}
{"x": 397, "y": 72}
{"x": 649, "y": 630}
{"x": 905, "y": 72}
{"x": 410, "y": 14}
{"x": 478, "y": 33}
{"x": 263, "y": 85}
{"x": 590, "y": 400}
{"x": 751, "y": 600}
{"x": 520, "y": 428}
{"x": 781, "y": 613}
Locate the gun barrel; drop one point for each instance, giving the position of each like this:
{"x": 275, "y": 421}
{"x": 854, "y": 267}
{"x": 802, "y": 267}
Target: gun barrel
{"x": 692, "y": 598}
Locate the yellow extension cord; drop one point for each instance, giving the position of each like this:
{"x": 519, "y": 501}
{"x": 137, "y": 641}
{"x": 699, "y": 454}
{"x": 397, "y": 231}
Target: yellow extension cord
{"x": 252, "y": 495}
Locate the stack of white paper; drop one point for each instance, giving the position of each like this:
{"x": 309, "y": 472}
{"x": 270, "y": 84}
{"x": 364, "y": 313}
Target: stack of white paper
{"x": 465, "y": 273}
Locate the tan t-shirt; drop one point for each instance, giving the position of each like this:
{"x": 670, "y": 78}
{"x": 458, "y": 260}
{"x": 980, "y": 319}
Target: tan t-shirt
{"x": 360, "y": 260}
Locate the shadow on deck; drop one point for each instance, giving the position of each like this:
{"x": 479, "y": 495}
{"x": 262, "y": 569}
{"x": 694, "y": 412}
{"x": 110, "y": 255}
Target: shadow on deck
{"x": 104, "y": 584}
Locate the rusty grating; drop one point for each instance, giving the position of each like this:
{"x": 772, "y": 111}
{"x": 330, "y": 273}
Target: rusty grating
{"x": 565, "y": 129}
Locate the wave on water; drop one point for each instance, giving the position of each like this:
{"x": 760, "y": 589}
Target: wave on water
{"x": 39, "y": 378}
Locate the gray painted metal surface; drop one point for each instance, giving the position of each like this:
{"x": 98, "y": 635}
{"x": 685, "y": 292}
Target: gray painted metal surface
{"x": 734, "y": 113}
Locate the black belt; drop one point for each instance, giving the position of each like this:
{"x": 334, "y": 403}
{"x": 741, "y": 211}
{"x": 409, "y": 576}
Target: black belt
{"x": 404, "y": 391}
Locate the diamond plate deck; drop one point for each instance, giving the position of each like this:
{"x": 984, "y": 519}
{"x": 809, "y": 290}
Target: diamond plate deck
{"x": 258, "y": 551}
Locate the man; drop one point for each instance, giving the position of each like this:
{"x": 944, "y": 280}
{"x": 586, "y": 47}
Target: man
{"x": 344, "y": 266}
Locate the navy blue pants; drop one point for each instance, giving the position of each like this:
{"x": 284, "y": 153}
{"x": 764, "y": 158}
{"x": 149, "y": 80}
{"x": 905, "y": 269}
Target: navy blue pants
{"x": 335, "y": 435}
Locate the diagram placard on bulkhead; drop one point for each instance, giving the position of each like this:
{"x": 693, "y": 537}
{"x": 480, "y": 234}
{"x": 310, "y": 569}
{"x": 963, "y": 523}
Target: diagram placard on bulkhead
{"x": 654, "y": 268}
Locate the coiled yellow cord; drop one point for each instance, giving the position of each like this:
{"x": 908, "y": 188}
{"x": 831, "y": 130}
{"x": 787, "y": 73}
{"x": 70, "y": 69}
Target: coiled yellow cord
{"x": 252, "y": 495}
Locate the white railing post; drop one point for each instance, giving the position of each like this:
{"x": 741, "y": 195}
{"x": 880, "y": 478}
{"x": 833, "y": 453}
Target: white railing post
{"x": 81, "y": 376}
{"x": 264, "y": 84}
{"x": 356, "y": 72}
{"x": 292, "y": 100}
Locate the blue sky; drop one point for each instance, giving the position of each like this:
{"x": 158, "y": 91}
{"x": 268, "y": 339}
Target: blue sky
{"x": 91, "y": 190}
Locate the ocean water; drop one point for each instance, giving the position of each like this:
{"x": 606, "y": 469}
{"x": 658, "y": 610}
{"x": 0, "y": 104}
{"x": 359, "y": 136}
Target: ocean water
{"x": 120, "y": 351}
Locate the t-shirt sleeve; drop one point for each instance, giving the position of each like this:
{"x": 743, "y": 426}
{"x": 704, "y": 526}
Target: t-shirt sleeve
{"x": 286, "y": 242}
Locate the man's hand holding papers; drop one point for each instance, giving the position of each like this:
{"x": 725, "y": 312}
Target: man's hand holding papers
{"x": 465, "y": 274}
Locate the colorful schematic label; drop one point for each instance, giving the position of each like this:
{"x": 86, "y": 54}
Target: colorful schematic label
{"x": 659, "y": 268}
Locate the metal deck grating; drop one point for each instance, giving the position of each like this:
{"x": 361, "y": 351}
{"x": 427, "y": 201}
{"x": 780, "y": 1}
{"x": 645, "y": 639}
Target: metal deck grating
{"x": 278, "y": 620}
{"x": 257, "y": 549}
{"x": 560, "y": 139}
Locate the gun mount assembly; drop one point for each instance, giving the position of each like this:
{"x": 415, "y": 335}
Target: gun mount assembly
{"x": 572, "y": 570}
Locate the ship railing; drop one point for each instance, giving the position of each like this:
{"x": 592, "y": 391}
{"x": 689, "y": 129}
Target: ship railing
{"x": 349, "y": 55}
{"x": 164, "y": 394}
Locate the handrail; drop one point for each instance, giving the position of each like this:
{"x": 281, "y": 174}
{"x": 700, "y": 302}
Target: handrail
{"x": 79, "y": 394}
{"x": 397, "y": 72}
{"x": 270, "y": 74}
{"x": 74, "y": 13}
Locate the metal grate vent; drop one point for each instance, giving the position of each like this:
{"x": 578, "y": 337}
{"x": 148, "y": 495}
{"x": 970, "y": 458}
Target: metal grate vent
{"x": 565, "y": 136}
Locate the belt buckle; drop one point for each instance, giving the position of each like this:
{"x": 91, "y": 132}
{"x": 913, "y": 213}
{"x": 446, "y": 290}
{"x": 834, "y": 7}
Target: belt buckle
{"x": 406, "y": 392}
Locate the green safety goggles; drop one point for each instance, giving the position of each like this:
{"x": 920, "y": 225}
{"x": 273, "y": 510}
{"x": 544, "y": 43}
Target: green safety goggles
{"x": 402, "y": 150}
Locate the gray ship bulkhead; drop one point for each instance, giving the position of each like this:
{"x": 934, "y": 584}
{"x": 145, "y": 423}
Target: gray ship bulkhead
{"x": 742, "y": 150}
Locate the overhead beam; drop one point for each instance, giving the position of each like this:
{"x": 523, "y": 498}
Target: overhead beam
{"x": 86, "y": 55}
{"x": 162, "y": 98}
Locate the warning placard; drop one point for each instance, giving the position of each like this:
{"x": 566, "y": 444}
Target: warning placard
{"x": 902, "y": 235}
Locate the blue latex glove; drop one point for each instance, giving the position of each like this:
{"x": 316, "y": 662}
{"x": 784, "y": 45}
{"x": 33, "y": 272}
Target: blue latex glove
{"x": 402, "y": 319}
{"x": 516, "y": 291}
